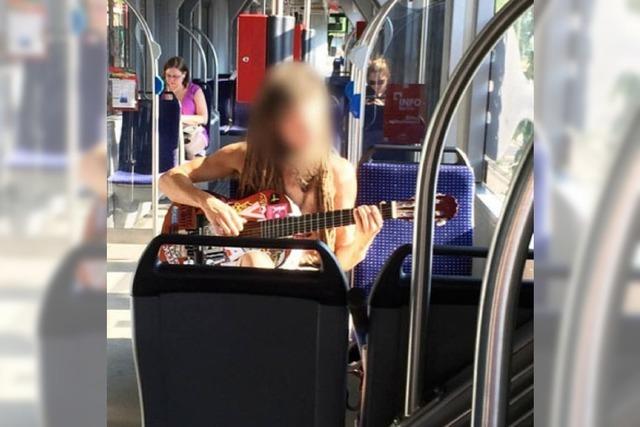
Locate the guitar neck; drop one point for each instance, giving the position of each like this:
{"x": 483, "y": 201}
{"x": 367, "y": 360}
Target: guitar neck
{"x": 307, "y": 223}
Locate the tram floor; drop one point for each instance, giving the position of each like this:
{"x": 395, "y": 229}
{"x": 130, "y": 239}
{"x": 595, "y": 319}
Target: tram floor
{"x": 123, "y": 408}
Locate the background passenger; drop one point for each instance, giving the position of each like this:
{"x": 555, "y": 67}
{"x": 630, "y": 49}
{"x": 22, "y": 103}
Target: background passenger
{"x": 193, "y": 106}
{"x": 378, "y": 76}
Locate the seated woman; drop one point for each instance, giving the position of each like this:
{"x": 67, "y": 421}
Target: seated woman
{"x": 378, "y": 75}
{"x": 289, "y": 150}
{"x": 192, "y": 103}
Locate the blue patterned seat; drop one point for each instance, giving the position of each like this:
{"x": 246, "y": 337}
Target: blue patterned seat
{"x": 21, "y": 158}
{"x": 378, "y": 181}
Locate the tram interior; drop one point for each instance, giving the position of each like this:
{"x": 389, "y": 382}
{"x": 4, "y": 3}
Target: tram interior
{"x": 387, "y": 66}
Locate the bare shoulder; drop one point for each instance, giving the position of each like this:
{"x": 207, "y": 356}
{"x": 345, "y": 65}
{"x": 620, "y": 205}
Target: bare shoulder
{"x": 343, "y": 171}
{"x": 236, "y": 148}
{"x": 344, "y": 181}
{"x": 234, "y": 154}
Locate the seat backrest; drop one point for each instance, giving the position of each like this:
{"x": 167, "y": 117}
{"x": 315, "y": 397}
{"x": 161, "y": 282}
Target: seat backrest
{"x": 240, "y": 346}
{"x": 135, "y": 140}
{"x": 68, "y": 347}
{"x": 450, "y": 337}
{"x": 340, "y": 110}
{"x": 382, "y": 181}
{"x": 372, "y": 129}
{"x": 207, "y": 91}
{"x": 135, "y": 137}
{"x": 226, "y": 98}
{"x": 168, "y": 131}
{"x": 241, "y": 114}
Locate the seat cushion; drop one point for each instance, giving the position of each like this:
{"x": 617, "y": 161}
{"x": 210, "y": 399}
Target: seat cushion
{"x": 233, "y": 130}
{"x": 122, "y": 177}
{"x": 22, "y": 158}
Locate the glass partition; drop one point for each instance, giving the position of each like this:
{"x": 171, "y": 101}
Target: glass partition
{"x": 398, "y": 77}
{"x": 130, "y": 129}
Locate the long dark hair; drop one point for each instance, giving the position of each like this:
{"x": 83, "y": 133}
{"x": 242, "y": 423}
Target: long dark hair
{"x": 286, "y": 85}
{"x": 177, "y": 62}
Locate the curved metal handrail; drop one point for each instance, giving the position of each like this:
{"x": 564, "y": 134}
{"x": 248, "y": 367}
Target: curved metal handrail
{"x": 200, "y": 48}
{"x": 499, "y": 299}
{"x": 594, "y": 294}
{"x": 215, "y": 65}
{"x": 426, "y": 191}
{"x": 212, "y": 48}
{"x": 154, "y": 53}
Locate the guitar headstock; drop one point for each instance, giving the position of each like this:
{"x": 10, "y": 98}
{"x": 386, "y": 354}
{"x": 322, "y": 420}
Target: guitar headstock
{"x": 446, "y": 209}
{"x": 403, "y": 209}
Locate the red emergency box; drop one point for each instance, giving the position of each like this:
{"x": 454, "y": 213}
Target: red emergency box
{"x": 297, "y": 42}
{"x": 251, "y": 55}
{"x": 360, "y": 26}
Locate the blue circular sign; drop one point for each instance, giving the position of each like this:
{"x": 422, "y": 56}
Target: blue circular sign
{"x": 159, "y": 85}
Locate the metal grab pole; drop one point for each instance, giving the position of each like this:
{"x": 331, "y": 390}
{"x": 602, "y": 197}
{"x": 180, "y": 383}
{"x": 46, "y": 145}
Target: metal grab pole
{"x": 499, "y": 300}
{"x": 306, "y": 24}
{"x": 72, "y": 134}
{"x": 426, "y": 192}
{"x": 199, "y": 45}
{"x": 588, "y": 329}
{"x": 154, "y": 52}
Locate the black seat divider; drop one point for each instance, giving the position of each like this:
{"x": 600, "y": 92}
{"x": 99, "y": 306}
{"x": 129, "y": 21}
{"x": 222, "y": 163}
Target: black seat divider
{"x": 451, "y": 336}
{"x": 234, "y": 346}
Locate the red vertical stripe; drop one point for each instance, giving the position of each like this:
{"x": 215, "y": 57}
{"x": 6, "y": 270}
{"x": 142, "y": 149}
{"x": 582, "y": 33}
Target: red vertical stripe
{"x": 297, "y": 42}
{"x": 252, "y": 55}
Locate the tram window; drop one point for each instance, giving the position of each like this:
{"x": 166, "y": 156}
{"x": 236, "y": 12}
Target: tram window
{"x": 510, "y": 108}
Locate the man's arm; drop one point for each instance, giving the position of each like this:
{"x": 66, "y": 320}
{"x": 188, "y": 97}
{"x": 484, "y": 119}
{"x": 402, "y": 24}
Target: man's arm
{"x": 353, "y": 242}
{"x": 177, "y": 185}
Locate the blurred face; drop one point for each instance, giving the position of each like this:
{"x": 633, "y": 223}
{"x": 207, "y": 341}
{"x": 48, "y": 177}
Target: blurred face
{"x": 378, "y": 82}
{"x": 174, "y": 79}
{"x": 303, "y": 127}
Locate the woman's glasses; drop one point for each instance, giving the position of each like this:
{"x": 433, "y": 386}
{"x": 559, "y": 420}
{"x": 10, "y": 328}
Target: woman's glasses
{"x": 379, "y": 82}
{"x": 172, "y": 76}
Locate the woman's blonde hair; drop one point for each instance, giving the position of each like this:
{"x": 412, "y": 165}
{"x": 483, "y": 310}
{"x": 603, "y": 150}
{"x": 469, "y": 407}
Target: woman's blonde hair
{"x": 285, "y": 86}
{"x": 379, "y": 65}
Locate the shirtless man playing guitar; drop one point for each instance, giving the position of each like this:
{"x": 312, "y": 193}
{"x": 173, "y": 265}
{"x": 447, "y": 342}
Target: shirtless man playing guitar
{"x": 289, "y": 149}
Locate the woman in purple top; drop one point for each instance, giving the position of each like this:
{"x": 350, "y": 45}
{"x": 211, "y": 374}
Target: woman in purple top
{"x": 193, "y": 105}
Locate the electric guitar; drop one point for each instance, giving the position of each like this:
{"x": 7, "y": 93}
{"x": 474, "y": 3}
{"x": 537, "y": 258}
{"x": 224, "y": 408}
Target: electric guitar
{"x": 271, "y": 215}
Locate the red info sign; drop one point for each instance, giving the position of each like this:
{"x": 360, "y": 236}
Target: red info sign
{"x": 403, "y": 114}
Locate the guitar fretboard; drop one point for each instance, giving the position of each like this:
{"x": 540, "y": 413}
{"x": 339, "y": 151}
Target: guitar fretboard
{"x": 307, "y": 223}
